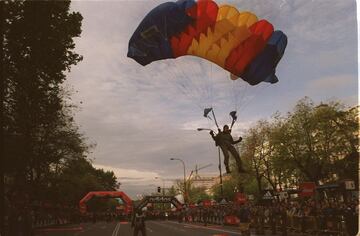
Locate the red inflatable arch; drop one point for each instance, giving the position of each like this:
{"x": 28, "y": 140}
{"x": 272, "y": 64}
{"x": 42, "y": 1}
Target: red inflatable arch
{"x": 105, "y": 194}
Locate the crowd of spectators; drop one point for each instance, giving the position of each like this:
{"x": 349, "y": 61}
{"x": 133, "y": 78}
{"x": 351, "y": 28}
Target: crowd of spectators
{"x": 310, "y": 216}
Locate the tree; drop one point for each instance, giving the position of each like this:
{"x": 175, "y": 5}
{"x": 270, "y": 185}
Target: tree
{"x": 314, "y": 138}
{"x": 314, "y": 142}
{"x": 229, "y": 188}
{"x": 197, "y": 194}
{"x": 258, "y": 150}
{"x": 76, "y": 179}
{"x": 39, "y": 129}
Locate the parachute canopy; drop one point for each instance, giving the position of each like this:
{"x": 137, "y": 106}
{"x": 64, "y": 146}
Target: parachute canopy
{"x": 236, "y": 41}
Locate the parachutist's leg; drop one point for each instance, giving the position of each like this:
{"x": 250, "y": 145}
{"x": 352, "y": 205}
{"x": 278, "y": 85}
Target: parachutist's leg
{"x": 236, "y": 156}
{"x": 226, "y": 158}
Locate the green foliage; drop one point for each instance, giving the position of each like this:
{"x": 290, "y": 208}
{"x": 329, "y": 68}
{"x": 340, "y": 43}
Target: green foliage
{"x": 229, "y": 188}
{"x": 78, "y": 177}
{"x": 45, "y": 153}
{"x": 316, "y": 143}
{"x": 197, "y": 194}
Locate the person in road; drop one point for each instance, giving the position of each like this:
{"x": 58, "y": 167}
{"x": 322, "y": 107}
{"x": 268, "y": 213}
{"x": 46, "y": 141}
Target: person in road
{"x": 225, "y": 141}
{"x": 244, "y": 216}
{"x": 138, "y": 222}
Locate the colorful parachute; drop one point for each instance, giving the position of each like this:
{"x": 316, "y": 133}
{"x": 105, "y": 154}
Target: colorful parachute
{"x": 237, "y": 41}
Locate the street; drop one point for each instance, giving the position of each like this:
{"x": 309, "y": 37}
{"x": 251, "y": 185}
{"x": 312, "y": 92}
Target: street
{"x": 158, "y": 228}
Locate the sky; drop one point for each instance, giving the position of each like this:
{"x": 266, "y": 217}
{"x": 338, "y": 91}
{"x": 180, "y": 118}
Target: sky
{"x": 140, "y": 117}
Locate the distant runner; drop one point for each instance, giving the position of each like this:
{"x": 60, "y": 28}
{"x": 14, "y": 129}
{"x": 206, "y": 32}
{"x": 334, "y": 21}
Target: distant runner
{"x": 138, "y": 223}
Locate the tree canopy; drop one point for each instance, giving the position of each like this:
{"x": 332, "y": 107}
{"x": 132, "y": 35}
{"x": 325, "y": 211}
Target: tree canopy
{"x": 45, "y": 153}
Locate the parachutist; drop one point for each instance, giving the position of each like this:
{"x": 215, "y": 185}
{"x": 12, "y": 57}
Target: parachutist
{"x": 225, "y": 141}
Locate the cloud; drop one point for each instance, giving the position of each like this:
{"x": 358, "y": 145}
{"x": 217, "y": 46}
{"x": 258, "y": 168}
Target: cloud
{"x": 126, "y": 175}
{"x": 333, "y": 82}
{"x": 141, "y": 116}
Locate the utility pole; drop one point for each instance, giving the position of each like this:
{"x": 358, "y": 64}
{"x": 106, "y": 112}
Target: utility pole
{"x": 221, "y": 182}
{"x": 183, "y": 163}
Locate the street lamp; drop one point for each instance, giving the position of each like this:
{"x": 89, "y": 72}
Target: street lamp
{"x": 221, "y": 182}
{"x": 178, "y": 159}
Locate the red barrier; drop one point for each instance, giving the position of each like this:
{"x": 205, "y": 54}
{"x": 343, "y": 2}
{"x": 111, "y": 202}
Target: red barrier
{"x": 231, "y": 220}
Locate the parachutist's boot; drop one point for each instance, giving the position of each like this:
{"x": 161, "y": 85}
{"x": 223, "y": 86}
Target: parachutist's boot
{"x": 227, "y": 170}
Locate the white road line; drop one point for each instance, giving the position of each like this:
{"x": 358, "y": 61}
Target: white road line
{"x": 168, "y": 226}
{"x": 116, "y": 230}
{"x": 150, "y": 229}
{"x": 203, "y": 227}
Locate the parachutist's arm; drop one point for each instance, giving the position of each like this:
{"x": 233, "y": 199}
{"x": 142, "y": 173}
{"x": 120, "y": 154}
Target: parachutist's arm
{"x": 213, "y": 135}
{"x": 237, "y": 141}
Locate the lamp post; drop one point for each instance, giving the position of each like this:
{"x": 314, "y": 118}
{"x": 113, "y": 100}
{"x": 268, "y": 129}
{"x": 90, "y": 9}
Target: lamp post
{"x": 178, "y": 159}
{"x": 221, "y": 182}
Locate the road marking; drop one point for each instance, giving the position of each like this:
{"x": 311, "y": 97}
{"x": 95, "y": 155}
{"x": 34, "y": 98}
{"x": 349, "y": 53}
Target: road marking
{"x": 209, "y": 228}
{"x": 116, "y": 230}
{"x": 168, "y": 226}
{"x": 60, "y": 229}
{"x": 150, "y": 229}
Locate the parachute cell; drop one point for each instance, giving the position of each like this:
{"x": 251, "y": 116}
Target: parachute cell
{"x": 234, "y": 40}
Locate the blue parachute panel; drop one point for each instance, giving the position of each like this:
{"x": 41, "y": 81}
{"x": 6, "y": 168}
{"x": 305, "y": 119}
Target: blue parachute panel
{"x": 150, "y": 40}
{"x": 262, "y": 68}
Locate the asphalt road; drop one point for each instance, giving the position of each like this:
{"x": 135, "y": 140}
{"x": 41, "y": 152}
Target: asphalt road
{"x": 153, "y": 228}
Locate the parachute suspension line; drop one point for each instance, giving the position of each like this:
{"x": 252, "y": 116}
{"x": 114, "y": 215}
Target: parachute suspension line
{"x": 256, "y": 92}
{"x": 180, "y": 84}
{"x": 202, "y": 84}
{"x": 207, "y": 75}
{"x": 197, "y": 82}
{"x": 211, "y": 86}
{"x": 235, "y": 95}
{"x": 243, "y": 96}
{"x": 191, "y": 85}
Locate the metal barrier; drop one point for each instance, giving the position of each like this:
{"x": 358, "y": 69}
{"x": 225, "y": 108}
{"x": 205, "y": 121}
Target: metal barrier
{"x": 277, "y": 222}
{"x": 306, "y": 225}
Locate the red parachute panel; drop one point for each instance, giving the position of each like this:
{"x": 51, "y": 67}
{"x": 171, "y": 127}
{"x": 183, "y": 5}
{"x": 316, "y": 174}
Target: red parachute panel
{"x": 242, "y": 55}
{"x": 204, "y": 13}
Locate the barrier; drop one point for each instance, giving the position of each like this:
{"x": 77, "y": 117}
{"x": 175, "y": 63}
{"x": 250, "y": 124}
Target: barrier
{"x": 231, "y": 220}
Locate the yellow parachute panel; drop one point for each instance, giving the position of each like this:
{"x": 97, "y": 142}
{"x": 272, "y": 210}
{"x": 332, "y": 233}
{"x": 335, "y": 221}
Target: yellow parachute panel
{"x": 230, "y": 29}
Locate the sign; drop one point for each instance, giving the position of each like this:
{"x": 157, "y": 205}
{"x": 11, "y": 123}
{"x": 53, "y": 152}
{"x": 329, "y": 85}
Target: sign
{"x": 307, "y": 189}
{"x": 349, "y": 185}
{"x": 267, "y": 195}
{"x": 240, "y": 198}
{"x": 223, "y": 201}
{"x": 283, "y": 195}
{"x": 159, "y": 199}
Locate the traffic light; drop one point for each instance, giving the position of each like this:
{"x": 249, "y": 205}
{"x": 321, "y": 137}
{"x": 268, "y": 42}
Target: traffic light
{"x": 159, "y": 190}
